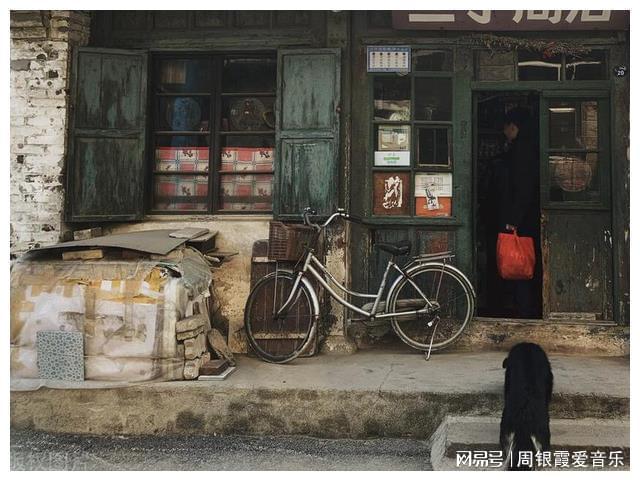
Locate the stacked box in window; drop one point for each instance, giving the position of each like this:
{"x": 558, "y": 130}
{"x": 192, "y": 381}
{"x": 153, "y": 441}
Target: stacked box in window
{"x": 255, "y": 159}
{"x": 196, "y": 186}
{"x": 246, "y": 192}
{"x": 185, "y": 159}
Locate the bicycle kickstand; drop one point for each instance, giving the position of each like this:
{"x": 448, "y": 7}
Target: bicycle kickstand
{"x": 427, "y": 355}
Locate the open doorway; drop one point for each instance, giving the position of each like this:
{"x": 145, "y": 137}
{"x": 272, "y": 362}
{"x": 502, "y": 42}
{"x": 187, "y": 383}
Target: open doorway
{"x": 497, "y": 297}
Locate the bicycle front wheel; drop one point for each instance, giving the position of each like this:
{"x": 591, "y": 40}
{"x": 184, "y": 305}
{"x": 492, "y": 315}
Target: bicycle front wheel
{"x": 447, "y": 290}
{"x": 274, "y": 339}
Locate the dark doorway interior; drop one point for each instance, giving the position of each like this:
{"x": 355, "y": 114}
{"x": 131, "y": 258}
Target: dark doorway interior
{"x": 496, "y": 297}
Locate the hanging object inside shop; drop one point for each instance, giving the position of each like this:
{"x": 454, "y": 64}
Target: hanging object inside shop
{"x": 174, "y": 72}
{"x": 248, "y": 114}
{"x": 183, "y": 114}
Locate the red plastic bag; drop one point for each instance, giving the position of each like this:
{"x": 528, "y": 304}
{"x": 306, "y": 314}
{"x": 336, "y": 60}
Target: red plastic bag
{"x": 516, "y": 257}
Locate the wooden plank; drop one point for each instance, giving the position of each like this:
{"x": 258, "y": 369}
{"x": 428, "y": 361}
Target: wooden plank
{"x": 191, "y": 323}
{"x": 83, "y": 255}
{"x": 181, "y": 336}
{"x": 195, "y": 346}
{"x": 214, "y": 367}
{"x": 189, "y": 233}
{"x": 87, "y": 233}
{"x": 192, "y": 366}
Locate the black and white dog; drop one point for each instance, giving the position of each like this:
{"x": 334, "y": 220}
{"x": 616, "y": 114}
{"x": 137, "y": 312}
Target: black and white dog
{"x": 528, "y": 383}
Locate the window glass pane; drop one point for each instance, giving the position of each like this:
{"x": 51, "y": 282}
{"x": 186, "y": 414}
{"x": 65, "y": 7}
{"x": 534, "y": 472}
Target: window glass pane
{"x": 256, "y": 74}
{"x": 432, "y": 60}
{"x": 183, "y": 114}
{"x": 248, "y": 114}
{"x": 181, "y": 153}
{"x": 180, "y": 192}
{"x": 433, "y": 193}
{"x": 391, "y": 192}
{"x": 591, "y": 66}
{"x": 393, "y": 137}
{"x": 433, "y": 98}
{"x": 573, "y": 124}
{"x": 536, "y": 66}
{"x": 574, "y": 177}
{"x": 392, "y": 98}
{"x": 246, "y": 192}
{"x": 182, "y": 75}
{"x": 434, "y": 146}
{"x": 247, "y": 153}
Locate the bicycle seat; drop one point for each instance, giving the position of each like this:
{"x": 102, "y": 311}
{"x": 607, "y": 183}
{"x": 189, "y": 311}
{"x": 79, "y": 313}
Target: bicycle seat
{"x": 399, "y": 248}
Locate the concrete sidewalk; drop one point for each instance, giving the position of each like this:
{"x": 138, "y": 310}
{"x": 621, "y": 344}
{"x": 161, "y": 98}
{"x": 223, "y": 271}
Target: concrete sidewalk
{"x": 371, "y": 393}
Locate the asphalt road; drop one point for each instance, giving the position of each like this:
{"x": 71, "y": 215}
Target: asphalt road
{"x": 42, "y": 451}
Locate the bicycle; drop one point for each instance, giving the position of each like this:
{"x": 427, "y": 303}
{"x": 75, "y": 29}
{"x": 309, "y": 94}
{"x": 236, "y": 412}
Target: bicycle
{"x": 284, "y": 304}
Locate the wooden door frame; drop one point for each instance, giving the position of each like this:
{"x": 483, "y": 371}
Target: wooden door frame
{"x": 474, "y": 177}
{"x": 568, "y": 89}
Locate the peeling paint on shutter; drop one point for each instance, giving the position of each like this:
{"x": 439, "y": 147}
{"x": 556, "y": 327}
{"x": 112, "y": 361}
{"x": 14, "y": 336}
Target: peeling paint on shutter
{"x": 105, "y": 172}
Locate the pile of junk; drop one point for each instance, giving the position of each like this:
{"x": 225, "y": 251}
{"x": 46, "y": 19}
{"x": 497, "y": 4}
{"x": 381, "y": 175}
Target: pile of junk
{"x": 119, "y": 308}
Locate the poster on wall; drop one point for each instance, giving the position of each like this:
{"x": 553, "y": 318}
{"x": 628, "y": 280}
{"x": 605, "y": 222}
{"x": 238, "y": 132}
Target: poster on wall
{"x": 391, "y": 193}
{"x": 433, "y": 194}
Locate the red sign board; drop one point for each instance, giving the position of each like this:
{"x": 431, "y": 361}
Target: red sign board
{"x": 511, "y": 20}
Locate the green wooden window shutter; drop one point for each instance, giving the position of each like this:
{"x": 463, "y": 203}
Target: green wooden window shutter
{"x": 105, "y": 171}
{"x": 308, "y": 130}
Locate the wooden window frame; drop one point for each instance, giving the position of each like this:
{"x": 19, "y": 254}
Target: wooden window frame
{"x": 414, "y": 167}
{"x": 563, "y": 69}
{"x": 215, "y": 133}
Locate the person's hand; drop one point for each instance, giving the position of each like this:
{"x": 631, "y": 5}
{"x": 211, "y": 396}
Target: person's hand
{"x": 510, "y": 228}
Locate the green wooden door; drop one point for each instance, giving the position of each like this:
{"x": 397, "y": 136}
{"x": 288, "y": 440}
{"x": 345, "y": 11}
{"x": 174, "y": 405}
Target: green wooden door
{"x": 575, "y": 202}
{"x": 105, "y": 173}
{"x": 307, "y": 131}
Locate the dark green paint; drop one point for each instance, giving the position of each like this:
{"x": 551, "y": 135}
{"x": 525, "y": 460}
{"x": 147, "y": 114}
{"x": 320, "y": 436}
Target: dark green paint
{"x": 106, "y": 162}
{"x": 307, "y": 140}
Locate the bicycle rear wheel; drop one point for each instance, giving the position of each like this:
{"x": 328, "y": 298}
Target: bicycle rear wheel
{"x": 279, "y": 340}
{"x": 446, "y": 288}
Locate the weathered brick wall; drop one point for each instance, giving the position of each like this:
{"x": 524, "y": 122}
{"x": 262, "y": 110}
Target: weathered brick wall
{"x": 41, "y": 43}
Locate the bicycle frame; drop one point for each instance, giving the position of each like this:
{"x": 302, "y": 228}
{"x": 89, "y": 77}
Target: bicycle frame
{"x": 310, "y": 264}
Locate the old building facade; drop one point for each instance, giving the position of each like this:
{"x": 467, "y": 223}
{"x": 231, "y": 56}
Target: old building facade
{"x": 280, "y": 110}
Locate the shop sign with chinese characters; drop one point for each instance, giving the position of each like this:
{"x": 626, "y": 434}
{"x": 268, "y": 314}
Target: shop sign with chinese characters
{"x": 511, "y": 20}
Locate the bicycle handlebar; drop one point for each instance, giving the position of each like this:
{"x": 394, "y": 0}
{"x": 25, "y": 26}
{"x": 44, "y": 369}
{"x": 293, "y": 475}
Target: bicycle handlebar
{"x": 308, "y": 211}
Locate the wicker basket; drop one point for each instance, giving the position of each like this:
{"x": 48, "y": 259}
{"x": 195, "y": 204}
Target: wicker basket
{"x": 571, "y": 174}
{"x": 287, "y": 241}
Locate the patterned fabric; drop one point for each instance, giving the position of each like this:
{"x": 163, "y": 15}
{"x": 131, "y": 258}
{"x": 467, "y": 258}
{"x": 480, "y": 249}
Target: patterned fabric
{"x": 256, "y": 159}
{"x": 246, "y": 192}
{"x": 185, "y": 159}
{"x": 167, "y": 186}
{"x": 60, "y": 355}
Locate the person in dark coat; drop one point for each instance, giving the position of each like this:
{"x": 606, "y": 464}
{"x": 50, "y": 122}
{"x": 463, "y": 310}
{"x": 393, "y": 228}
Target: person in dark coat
{"x": 517, "y": 184}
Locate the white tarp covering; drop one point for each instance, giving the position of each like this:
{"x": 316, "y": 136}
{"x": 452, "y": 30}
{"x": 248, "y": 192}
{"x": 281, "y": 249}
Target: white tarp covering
{"x": 126, "y": 310}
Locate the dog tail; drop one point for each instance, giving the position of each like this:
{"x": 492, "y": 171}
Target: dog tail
{"x": 521, "y": 444}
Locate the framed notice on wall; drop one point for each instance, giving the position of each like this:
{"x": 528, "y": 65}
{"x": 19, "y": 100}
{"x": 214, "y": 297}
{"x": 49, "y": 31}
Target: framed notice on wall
{"x": 433, "y": 193}
{"x": 388, "y": 59}
{"x": 392, "y": 159}
{"x": 391, "y": 193}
